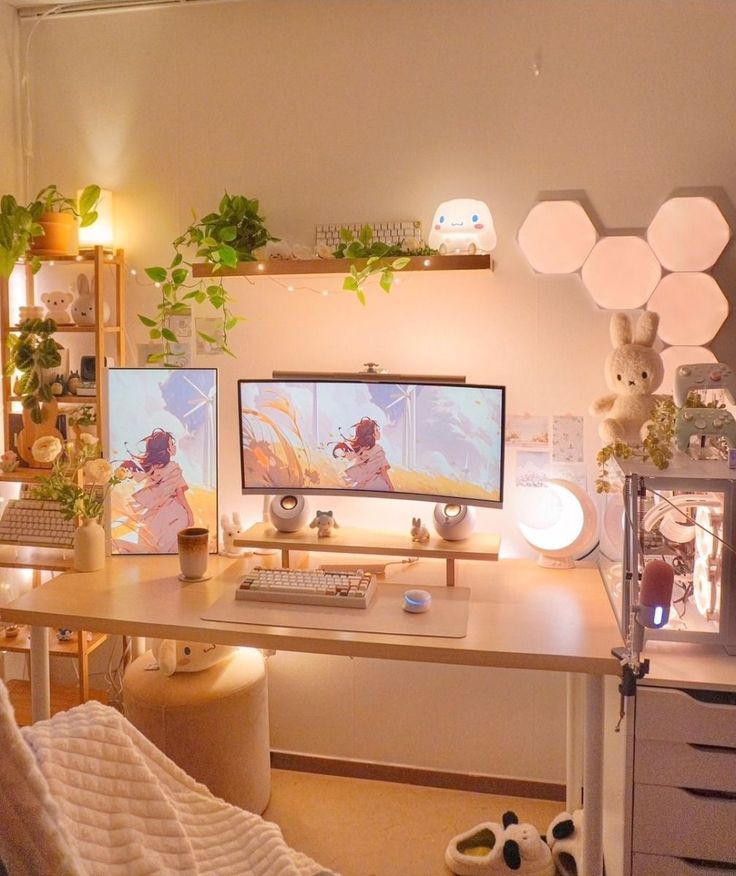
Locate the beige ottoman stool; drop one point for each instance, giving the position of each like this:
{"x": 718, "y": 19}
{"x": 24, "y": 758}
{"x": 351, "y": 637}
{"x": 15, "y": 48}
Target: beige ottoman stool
{"x": 213, "y": 723}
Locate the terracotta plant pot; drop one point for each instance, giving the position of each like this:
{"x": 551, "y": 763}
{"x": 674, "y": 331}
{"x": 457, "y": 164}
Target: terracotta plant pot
{"x": 58, "y": 236}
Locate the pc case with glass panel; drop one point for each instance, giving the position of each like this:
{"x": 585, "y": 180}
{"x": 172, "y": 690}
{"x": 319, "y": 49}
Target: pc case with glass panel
{"x": 684, "y": 515}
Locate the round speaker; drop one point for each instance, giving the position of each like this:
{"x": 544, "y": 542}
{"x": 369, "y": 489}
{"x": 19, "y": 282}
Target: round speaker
{"x": 288, "y": 513}
{"x": 454, "y": 522}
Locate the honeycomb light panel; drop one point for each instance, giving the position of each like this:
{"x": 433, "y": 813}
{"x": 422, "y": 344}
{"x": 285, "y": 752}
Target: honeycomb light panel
{"x": 621, "y": 272}
{"x": 557, "y": 236}
{"x": 673, "y": 357}
{"x": 691, "y": 308}
{"x": 688, "y": 234}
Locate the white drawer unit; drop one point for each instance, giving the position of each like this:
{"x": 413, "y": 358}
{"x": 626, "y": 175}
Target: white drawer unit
{"x": 684, "y": 791}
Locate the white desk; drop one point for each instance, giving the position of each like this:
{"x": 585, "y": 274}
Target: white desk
{"x": 521, "y": 617}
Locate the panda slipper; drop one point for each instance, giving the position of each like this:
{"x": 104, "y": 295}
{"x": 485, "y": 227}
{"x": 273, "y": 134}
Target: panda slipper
{"x": 565, "y": 838}
{"x": 489, "y": 848}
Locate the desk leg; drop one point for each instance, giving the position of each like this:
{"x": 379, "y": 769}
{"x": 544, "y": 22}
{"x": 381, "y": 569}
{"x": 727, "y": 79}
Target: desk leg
{"x": 284, "y": 558}
{"x": 450, "y": 572}
{"x": 40, "y": 687}
{"x": 593, "y": 777}
{"x": 574, "y": 743}
{"x": 137, "y": 646}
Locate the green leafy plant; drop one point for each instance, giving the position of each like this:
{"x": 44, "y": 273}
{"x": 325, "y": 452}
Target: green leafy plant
{"x": 376, "y": 254}
{"x": 657, "y": 445}
{"x": 222, "y": 239}
{"x": 20, "y": 224}
{"x": 18, "y": 227}
{"x": 33, "y": 350}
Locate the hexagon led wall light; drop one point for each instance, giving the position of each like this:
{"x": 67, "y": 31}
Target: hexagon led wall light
{"x": 673, "y": 357}
{"x": 557, "y": 236}
{"x": 691, "y": 308}
{"x": 621, "y": 272}
{"x": 688, "y": 234}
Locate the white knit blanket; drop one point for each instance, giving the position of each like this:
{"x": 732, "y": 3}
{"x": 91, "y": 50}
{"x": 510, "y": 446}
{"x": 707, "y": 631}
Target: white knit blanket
{"x": 86, "y": 793}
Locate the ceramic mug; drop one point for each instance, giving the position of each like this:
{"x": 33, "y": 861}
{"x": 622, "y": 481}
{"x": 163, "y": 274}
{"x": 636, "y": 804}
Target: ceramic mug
{"x": 194, "y": 546}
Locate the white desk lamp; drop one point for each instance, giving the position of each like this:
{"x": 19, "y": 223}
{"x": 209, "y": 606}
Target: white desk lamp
{"x": 570, "y": 533}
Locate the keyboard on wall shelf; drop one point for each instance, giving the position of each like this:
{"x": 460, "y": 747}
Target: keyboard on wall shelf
{"x": 393, "y": 233}
{"x": 35, "y": 523}
{"x": 308, "y": 587}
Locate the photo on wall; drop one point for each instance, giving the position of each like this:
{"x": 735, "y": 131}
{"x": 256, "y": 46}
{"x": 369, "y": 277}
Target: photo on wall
{"x": 162, "y": 440}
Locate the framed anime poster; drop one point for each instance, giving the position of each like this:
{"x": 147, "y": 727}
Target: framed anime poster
{"x": 162, "y": 443}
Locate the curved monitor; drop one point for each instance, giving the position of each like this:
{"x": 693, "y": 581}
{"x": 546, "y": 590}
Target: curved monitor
{"x": 435, "y": 441}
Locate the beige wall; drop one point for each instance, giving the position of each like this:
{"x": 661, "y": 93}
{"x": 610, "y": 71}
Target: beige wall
{"x": 9, "y": 152}
{"x": 346, "y": 111}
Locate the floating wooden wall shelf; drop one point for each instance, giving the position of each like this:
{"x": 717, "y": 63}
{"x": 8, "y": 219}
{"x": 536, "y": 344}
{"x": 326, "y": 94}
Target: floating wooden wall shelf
{"x": 294, "y": 267}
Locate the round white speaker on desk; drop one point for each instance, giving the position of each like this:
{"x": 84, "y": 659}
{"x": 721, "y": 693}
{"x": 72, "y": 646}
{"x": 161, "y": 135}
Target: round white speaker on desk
{"x": 453, "y": 522}
{"x": 288, "y": 513}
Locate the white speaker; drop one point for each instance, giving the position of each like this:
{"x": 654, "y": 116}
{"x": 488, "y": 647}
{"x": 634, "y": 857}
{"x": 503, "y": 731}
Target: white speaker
{"x": 288, "y": 513}
{"x": 454, "y": 522}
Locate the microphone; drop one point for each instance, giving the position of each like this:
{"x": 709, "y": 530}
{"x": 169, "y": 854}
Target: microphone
{"x": 655, "y": 597}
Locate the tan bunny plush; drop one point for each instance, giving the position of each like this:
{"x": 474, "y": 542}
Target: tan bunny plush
{"x": 633, "y": 370}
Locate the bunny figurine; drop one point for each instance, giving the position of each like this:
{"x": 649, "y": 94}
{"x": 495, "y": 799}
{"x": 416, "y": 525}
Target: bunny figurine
{"x": 83, "y": 309}
{"x": 231, "y": 529}
{"x": 418, "y": 532}
{"x": 633, "y": 370}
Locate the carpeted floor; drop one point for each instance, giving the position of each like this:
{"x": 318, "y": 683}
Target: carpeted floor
{"x": 359, "y": 827}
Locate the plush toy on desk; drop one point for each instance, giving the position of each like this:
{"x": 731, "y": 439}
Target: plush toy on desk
{"x": 173, "y": 656}
{"x": 324, "y": 523}
{"x": 231, "y": 529}
{"x": 633, "y": 370}
{"x": 419, "y": 533}
{"x": 488, "y": 849}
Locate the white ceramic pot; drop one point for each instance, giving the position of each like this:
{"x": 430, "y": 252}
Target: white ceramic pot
{"x": 89, "y": 547}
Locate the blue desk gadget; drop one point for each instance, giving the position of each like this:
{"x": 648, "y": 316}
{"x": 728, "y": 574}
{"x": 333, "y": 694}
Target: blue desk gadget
{"x": 417, "y": 601}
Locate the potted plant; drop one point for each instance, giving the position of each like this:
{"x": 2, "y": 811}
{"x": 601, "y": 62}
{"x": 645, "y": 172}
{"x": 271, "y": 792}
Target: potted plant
{"x": 32, "y": 230}
{"x": 84, "y": 421}
{"x": 222, "y": 238}
{"x": 56, "y": 213}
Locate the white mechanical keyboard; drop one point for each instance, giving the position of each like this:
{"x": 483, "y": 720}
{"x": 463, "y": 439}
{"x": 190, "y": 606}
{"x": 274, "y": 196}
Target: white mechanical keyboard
{"x": 308, "y": 587}
{"x": 393, "y": 233}
{"x": 36, "y": 522}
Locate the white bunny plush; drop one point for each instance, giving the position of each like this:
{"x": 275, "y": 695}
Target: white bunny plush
{"x": 83, "y": 309}
{"x": 231, "y": 529}
{"x": 419, "y": 533}
{"x": 633, "y": 370}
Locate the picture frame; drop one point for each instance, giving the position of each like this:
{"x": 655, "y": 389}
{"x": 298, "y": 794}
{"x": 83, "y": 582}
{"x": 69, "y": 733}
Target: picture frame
{"x": 161, "y": 439}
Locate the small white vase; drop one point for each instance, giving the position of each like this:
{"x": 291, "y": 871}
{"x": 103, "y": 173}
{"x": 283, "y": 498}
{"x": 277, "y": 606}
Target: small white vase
{"x": 89, "y": 547}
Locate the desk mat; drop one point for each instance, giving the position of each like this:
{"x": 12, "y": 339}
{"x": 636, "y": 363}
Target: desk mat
{"x": 448, "y": 616}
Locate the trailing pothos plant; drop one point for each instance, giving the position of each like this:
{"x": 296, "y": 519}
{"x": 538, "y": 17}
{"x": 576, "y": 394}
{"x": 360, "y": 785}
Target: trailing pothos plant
{"x": 656, "y": 446}
{"x": 222, "y": 238}
{"x": 376, "y": 254}
{"x": 32, "y": 351}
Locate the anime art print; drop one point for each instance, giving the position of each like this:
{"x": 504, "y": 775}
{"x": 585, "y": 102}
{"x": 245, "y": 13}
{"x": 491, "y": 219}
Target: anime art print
{"x": 404, "y": 439}
{"x": 162, "y": 442}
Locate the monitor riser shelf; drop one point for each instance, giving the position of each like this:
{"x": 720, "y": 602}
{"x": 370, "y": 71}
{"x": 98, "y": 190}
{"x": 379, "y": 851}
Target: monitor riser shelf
{"x": 345, "y": 540}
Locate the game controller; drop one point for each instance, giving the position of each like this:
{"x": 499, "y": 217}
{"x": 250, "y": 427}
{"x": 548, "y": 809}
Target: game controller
{"x": 704, "y": 421}
{"x": 710, "y": 375}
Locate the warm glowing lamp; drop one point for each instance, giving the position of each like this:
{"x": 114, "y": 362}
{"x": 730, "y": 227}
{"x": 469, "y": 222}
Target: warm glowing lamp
{"x": 569, "y": 533}
{"x": 100, "y": 232}
{"x": 462, "y": 226}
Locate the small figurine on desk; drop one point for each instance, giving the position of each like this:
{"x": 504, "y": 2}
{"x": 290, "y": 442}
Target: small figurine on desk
{"x": 64, "y": 635}
{"x": 231, "y": 529}
{"x": 418, "y": 532}
{"x": 325, "y": 523}
{"x": 73, "y": 382}
{"x": 57, "y": 306}
{"x": 11, "y": 631}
